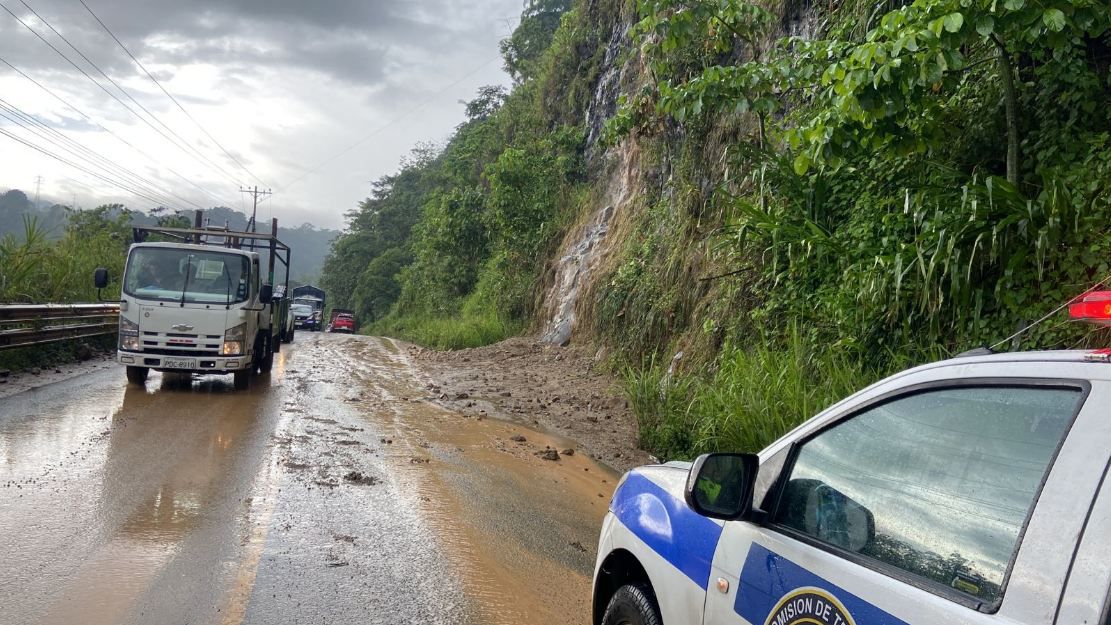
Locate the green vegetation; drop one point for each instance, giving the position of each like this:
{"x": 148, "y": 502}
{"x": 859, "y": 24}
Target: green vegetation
{"x": 907, "y": 182}
{"x": 893, "y": 183}
{"x": 449, "y": 251}
{"x": 37, "y": 269}
{"x": 755, "y": 396}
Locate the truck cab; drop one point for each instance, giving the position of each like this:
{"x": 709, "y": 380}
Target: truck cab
{"x": 199, "y": 306}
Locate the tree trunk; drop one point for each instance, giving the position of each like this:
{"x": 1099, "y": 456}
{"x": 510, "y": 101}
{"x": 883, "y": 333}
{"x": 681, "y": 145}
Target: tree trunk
{"x": 1010, "y": 105}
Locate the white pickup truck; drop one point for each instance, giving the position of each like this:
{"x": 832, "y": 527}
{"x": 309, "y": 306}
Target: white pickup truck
{"x": 199, "y": 304}
{"x": 966, "y": 492}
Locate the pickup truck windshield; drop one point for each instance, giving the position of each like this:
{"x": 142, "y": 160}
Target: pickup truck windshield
{"x": 187, "y": 276}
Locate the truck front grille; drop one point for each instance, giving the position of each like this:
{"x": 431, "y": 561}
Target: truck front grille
{"x": 179, "y": 344}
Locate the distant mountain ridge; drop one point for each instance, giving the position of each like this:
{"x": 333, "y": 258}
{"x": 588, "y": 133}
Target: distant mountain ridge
{"x": 309, "y": 244}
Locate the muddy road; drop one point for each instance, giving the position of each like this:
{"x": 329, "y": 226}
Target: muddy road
{"x": 337, "y": 490}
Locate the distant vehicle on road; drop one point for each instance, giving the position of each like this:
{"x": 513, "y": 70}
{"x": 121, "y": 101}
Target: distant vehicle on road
{"x": 314, "y": 297}
{"x": 342, "y": 320}
{"x": 199, "y": 303}
{"x": 303, "y": 316}
{"x": 967, "y": 491}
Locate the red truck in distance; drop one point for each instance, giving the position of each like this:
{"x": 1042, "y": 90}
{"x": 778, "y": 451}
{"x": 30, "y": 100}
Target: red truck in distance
{"x": 342, "y": 320}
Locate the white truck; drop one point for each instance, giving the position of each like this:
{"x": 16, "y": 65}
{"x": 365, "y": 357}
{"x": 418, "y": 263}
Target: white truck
{"x": 197, "y": 302}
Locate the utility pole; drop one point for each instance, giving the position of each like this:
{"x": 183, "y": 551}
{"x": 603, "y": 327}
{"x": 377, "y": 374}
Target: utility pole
{"x": 252, "y": 225}
{"x": 38, "y": 187}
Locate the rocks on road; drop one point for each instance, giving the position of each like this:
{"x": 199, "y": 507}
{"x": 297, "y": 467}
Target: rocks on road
{"x": 561, "y": 389}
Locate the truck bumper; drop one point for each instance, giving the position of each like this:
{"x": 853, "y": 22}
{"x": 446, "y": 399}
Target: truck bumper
{"x": 196, "y": 364}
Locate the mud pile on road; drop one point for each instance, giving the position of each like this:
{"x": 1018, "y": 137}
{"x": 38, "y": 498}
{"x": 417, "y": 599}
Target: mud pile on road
{"x": 560, "y": 389}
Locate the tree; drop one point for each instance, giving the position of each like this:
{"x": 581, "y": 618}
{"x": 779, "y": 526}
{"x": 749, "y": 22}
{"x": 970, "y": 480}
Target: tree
{"x": 887, "y": 91}
{"x": 531, "y": 38}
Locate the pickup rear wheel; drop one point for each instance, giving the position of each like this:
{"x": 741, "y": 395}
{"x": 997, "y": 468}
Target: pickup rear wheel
{"x": 137, "y": 375}
{"x": 632, "y": 604}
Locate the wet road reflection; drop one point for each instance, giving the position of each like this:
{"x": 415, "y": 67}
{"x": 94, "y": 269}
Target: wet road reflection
{"x": 331, "y": 491}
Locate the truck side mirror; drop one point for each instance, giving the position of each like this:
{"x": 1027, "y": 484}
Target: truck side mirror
{"x": 100, "y": 278}
{"x": 720, "y": 485}
{"x": 265, "y": 293}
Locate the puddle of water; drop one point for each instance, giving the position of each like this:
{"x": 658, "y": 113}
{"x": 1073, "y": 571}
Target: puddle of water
{"x": 117, "y": 510}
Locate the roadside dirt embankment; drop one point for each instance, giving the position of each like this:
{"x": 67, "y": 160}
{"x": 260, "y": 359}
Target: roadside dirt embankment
{"x": 555, "y": 388}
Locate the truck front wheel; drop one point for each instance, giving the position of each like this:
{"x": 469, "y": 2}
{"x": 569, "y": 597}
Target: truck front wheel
{"x": 266, "y": 364}
{"x": 137, "y": 375}
{"x": 242, "y": 379}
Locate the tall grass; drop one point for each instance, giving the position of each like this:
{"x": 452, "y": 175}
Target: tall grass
{"x": 449, "y": 332}
{"x": 37, "y": 269}
{"x": 754, "y": 396}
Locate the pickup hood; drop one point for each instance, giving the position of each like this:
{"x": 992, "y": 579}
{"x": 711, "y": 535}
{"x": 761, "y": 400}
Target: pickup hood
{"x": 670, "y": 478}
{"x": 649, "y": 503}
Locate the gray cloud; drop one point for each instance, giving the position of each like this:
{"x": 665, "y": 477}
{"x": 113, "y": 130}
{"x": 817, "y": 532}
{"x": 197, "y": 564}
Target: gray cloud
{"x": 351, "y": 40}
{"x": 320, "y": 74}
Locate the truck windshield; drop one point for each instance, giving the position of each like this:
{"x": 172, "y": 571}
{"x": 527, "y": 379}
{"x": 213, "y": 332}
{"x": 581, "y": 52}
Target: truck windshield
{"x": 188, "y": 276}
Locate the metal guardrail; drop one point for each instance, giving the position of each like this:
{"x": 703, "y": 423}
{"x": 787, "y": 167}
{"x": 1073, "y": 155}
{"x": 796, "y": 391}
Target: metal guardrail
{"x": 22, "y": 325}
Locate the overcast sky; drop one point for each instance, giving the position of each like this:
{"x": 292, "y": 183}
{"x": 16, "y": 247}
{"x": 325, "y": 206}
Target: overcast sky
{"x": 285, "y": 86}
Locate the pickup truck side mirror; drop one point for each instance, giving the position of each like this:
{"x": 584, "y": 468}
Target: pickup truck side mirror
{"x": 266, "y": 293}
{"x": 100, "y": 278}
{"x": 720, "y": 485}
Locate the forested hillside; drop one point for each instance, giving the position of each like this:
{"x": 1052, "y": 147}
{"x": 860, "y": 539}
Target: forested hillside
{"x": 757, "y": 207}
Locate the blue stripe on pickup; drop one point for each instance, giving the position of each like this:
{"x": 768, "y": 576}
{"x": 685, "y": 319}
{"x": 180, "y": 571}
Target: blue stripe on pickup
{"x": 767, "y": 578}
{"x": 665, "y": 523}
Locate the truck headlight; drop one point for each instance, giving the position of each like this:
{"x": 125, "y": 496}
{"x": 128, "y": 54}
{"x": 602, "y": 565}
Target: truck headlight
{"x": 233, "y": 340}
{"x": 129, "y": 335}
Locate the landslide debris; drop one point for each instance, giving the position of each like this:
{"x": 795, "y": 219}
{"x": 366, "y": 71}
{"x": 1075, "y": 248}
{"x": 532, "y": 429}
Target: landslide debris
{"x": 561, "y": 389}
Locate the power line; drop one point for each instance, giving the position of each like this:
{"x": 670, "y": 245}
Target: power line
{"x": 199, "y": 157}
{"x": 168, "y": 94}
{"x": 184, "y": 145}
{"x": 374, "y": 132}
{"x": 252, "y": 225}
{"x": 103, "y": 128}
{"x": 188, "y": 148}
{"x": 112, "y": 177}
{"x": 81, "y": 151}
{"x": 76, "y": 166}
{"x": 46, "y": 132}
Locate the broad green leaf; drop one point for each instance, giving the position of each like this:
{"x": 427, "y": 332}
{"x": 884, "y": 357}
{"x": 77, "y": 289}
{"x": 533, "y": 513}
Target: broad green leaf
{"x": 802, "y": 163}
{"x": 985, "y": 25}
{"x": 1014, "y": 5}
{"x": 954, "y": 21}
{"x": 1054, "y": 19}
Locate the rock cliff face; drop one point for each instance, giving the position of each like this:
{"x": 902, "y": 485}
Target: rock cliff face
{"x": 591, "y": 241}
{"x": 627, "y": 178}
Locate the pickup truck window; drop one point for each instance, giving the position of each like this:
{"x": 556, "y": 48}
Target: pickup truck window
{"x": 938, "y": 484}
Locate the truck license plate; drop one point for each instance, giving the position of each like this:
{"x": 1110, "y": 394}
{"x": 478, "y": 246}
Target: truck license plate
{"x": 179, "y": 363}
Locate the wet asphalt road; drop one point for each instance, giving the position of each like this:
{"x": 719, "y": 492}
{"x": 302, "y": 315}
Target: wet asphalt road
{"x": 333, "y": 491}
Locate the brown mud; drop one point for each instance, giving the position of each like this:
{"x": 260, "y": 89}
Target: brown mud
{"x": 557, "y": 389}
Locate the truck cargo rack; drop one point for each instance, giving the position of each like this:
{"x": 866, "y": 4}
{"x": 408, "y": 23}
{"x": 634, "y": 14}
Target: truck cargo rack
{"x": 217, "y": 236}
